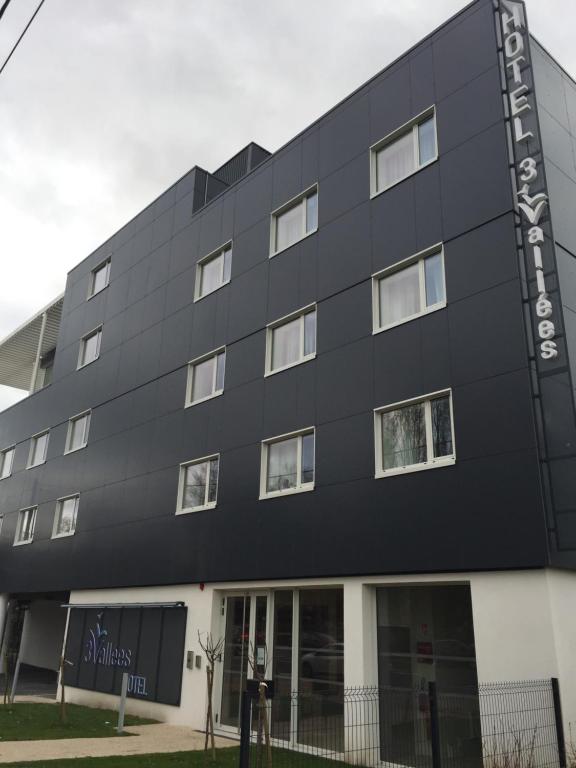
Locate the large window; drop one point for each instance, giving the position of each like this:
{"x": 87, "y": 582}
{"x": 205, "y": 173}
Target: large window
{"x": 99, "y": 278}
{"x": 403, "y": 152}
{"x": 77, "y": 436}
{"x": 90, "y": 347}
{"x": 205, "y": 377}
{"x": 6, "y": 462}
{"x": 25, "y": 526}
{"x": 294, "y": 221}
{"x": 213, "y": 271}
{"x": 65, "y": 517}
{"x": 417, "y": 434}
{"x": 38, "y": 449}
{"x": 287, "y": 464}
{"x": 409, "y": 289}
{"x": 291, "y": 340}
{"x": 198, "y": 487}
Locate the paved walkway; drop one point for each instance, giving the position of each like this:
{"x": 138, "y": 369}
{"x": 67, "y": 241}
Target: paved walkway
{"x": 149, "y": 739}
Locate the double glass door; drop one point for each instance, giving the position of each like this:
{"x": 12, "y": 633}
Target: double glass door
{"x": 245, "y": 651}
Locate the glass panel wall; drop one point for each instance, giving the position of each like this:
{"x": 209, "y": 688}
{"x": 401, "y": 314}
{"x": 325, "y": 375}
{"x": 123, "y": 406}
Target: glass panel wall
{"x": 235, "y": 658}
{"x": 282, "y": 664}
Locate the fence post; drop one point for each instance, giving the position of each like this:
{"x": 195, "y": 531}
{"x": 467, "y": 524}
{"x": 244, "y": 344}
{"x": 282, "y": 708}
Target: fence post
{"x": 245, "y": 717}
{"x": 434, "y": 726}
{"x": 559, "y": 724}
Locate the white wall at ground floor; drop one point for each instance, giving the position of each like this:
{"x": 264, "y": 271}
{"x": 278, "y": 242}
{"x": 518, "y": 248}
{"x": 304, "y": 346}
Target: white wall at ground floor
{"x": 42, "y": 634}
{"x": 524, "y": 628}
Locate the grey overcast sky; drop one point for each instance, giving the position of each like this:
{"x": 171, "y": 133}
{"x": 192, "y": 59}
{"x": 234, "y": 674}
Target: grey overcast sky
{"x": 107, "y": 102}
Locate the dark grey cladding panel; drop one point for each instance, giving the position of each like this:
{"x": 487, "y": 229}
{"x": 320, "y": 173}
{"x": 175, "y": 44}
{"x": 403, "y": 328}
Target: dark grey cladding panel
{"x": 484, "y": 512}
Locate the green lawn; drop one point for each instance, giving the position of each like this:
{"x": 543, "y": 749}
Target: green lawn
{"x": 225, "y": 758}
{"x": 31, "y": 722}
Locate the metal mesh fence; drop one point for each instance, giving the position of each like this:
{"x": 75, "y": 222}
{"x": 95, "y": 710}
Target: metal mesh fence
{"x": 507, "y": 725}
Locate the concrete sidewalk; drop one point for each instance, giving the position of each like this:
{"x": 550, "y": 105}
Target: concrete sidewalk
{"x": 149, "y": 739}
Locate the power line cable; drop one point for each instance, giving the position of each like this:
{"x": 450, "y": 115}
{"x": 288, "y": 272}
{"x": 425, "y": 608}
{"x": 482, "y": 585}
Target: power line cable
{"x": 3, "y": 9}
{"x": 17, "y": 43}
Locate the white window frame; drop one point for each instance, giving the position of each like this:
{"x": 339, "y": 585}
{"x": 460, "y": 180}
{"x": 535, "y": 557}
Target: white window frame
{"x": 431, "y": 462}
{"x": 71, "y": 421}
{"x": 103, "y": 264}
{"x": 33, "y": 440}
{"x": 300, "y": 487}
{"x": 200, "y": 265}
{"x": 292, "y": 203}
{"x": 17, "y": 541}
{"x": 58, "y": 512}
{"x": 97, "y": 330}
{"x": 190, "y": 377}
{"x": 397, "y": 133}
{"x": 180, "y": 510}
{"x": 3, "y": 459}
{"x": 418, "y": 258}
{"x": 271, "y": 327}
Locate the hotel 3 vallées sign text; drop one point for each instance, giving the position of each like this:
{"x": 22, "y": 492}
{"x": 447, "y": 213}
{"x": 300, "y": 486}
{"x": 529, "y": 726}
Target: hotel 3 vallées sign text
{"x": 532, "y": 203}
{"x": 147, "y": 642}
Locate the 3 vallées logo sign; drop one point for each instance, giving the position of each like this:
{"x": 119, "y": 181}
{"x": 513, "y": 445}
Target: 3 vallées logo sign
{"x": 100, "y": 650}
{"x": 531, "y": 204}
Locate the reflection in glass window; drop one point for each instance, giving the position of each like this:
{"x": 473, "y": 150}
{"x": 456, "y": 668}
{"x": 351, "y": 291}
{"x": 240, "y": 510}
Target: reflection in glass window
{"x": 214, "y": 271}
{"x": 288, "y": 464}
{"x": 398, "y": 157}
{"x": 78, "y": 428}
{"x": 6, "y": 461}
{"x": 90, "y": 347}
{"x": 295, "y": 221}
{"x": 25, "y": 525}
{"x": 403, "y": 293}
{"x": 100, "y": 278}
{"x": 199, "y": 484}
{"x": 291, "y": 341}
{"x": 66, "y": 513}
{"x": 206, "y": 377}
{"x": 38, "y": 449}
{"x": 417, "y": 434}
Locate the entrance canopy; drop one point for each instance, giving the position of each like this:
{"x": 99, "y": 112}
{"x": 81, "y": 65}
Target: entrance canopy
{"x": 22, "y": 351}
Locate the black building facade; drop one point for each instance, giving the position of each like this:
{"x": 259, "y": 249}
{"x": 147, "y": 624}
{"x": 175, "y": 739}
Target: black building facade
{"x": 248, "y": 380}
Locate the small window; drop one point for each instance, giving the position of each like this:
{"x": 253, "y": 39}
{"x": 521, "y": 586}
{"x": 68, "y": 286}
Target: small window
{"x": 414, "y": 435}
{"x": 294, "y": 221}
{"x": 25, "y": 526}
{"x": 287, "y": 464}
{"x": 6, "y": 462}
{"x": 99, "y": 278}
{"x": 38, "y": 449}
{"x": 291, "y": 341}
{"x": 213, "y": 271}
{"x": 205, "y": 377}
{"x": 90, "y": 347}
{"x": 78, "y": 428}
{"x": 1, "y": 523}
{"x": 403, "y": 152}
{"x": 65, "y": 517}
{"x": 407, "y": 290}
{"x": 198, "y": 487}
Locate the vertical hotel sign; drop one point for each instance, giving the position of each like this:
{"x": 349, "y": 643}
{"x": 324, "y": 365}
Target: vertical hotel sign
{"x": 530, "y": 182}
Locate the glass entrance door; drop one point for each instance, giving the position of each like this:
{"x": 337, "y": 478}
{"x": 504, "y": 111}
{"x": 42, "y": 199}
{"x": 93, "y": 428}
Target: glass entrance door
{"x": 245, "y": 651}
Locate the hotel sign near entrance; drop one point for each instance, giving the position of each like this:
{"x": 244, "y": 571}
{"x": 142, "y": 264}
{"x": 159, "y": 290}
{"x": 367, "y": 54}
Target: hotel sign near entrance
{"x": 530, "y": 182}
{"x": 145, "y": 641}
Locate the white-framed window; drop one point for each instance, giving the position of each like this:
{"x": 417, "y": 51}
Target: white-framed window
{"x": 77, "y": 435}
{"x": 65, "y": 516}
{"x": 25, "y": 526}
{"x": 213, "y": 271}
{"x": 38, "y": 449}
{"x": 409, "y": 289}
{"x": 206, "y": 377}
{"x": 403, "y": 152}
{"x": 99, "y": 278}
{"x": 198, "y": 484}
{"x": 1, "y": 523}
{"x": 415, "y": 434}
{"x": 90, "y": 347}
{"x": 294, "y": 220}
{"x": 287, "y": 464}
{"x": 6, "y": 462}
{"x": 291, "y": 340}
